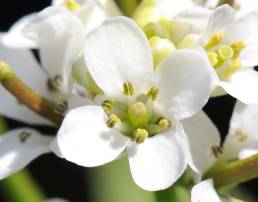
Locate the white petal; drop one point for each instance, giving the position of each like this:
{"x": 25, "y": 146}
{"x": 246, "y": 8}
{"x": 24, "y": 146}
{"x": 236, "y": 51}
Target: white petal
{"x": 244, "y": 120}
{"x": 246, "y": 6}
{"x": 211, "y": 3}
{"x": 248, "y": 56}
{"x": 27, "y": 68}
{"x": 85, "y": 139}
{"x": 117, "y": 52}
{"x": 60, "y": 39}
{"x": 219, "y": 21}
{"x": 158, "y": 162}
{"x": 15, "y": 37}
{"x": 245, "y": 153}
{"x": 18, "y": 149}
{"x": 186, "y": 80}
{"x": 170, "y": 8}
{"x": 204, "y": 191}
{"x": 244, "y": 28}
{"x": 196, "y": 16}
{"x": 243, "y": 86}
{"x": 202, "y": 135}
{"x": 91, "y": 15}
{"x": 110, "y": 7}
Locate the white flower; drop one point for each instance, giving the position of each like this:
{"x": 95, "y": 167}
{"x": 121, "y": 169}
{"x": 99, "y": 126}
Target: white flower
{"x": 143, "y": 108}
{"x": 242, "y": 139}
{"x": 19, "y": 147}
{"x": 231, "y": 44}
{"x": 204, "y": 141}
{"x": 204, "y": 191}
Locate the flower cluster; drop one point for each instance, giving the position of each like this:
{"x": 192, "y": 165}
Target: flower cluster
{"x": 134, "y": 86}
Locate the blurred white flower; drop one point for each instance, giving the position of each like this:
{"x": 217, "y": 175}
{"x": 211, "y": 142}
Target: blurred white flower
{"x": 242, "y": 139}
{"x": 205, "y": 191}
{"x": 231, "y": 44}
{"x": 19, "y": 147}
{"x": 141, "y": 109}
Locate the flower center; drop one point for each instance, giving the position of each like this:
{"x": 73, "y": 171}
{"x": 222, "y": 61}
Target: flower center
{"x": 136, "y": 117}
{"x": 224, "y": 58}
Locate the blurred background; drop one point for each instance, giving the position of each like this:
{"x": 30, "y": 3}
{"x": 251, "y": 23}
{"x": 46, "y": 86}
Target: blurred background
{"x": 111, "y": 183}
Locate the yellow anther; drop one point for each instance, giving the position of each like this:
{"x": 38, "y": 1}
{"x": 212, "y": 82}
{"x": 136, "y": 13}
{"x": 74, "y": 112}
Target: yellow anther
{"x": 231, "y": 69}
{"x": 241, "y": 135}
{"x": 112, "y": 120}
{"x": 107, "y": 105}
{"x": 141, "y": 135}
{"x": 237, "y": 47}
{"x": 225, "y": 52}
{"x": 153, "y": 93}
{"x": 214, "y": 40}
{"x": 164, "y": 123}
{"x": 71, "y": 5}
{"x": 213, "y": 58}
{"x": 128, "y": 89}
{"x": 161, "y": 48}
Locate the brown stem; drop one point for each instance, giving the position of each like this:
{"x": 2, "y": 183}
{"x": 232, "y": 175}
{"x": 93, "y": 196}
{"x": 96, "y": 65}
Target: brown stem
{"x": 27, "y": 96}
{"x": 229, "y": 2}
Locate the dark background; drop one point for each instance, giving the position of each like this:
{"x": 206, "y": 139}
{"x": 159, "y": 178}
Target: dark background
{"x": 61, "y": 178}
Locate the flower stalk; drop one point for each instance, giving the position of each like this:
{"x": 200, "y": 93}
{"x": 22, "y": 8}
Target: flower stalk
{"x": 234, "y": 173}
{"x": 25, "y": 95}
{"x": 128, "y": 6}
{"x": 229, "y": 2}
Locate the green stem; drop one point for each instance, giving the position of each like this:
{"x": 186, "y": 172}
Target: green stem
{"x": 20, "y": 186}
{"x": 128, "y": 6}
{"x": 176, "y": 193}
{"x": 234, "y": 173}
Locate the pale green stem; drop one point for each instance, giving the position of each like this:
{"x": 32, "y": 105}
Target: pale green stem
{"x": 113, "y": 183}
{"x": 235, "y": 172}
{"x": 176, "y": 193}
{"x": 128, "y": 6}
{"x": 20, "y": 187}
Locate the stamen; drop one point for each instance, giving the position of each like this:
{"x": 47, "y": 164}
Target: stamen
{"x": 214, "y": 40}
{"x": 71, "y": 5}
{"x": 231, "y": 69}
{"x": 225, "y": 52}
{"x": 23, "y": 136}
{"x": 107, "y": 106}
{"x": 54, "y": 84}
{"x": 141, "y": 135}
{"x": 164, "y": 123}
{"x": 153, "y": 93}
{"x": 216, "y": 150}
{"x": 213, "y": 58}
{"x": 128, "y": 89}
{"x": 112, "y": 120}
{"x": 241, "y": 135}
{"x": 237, "y": 47}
